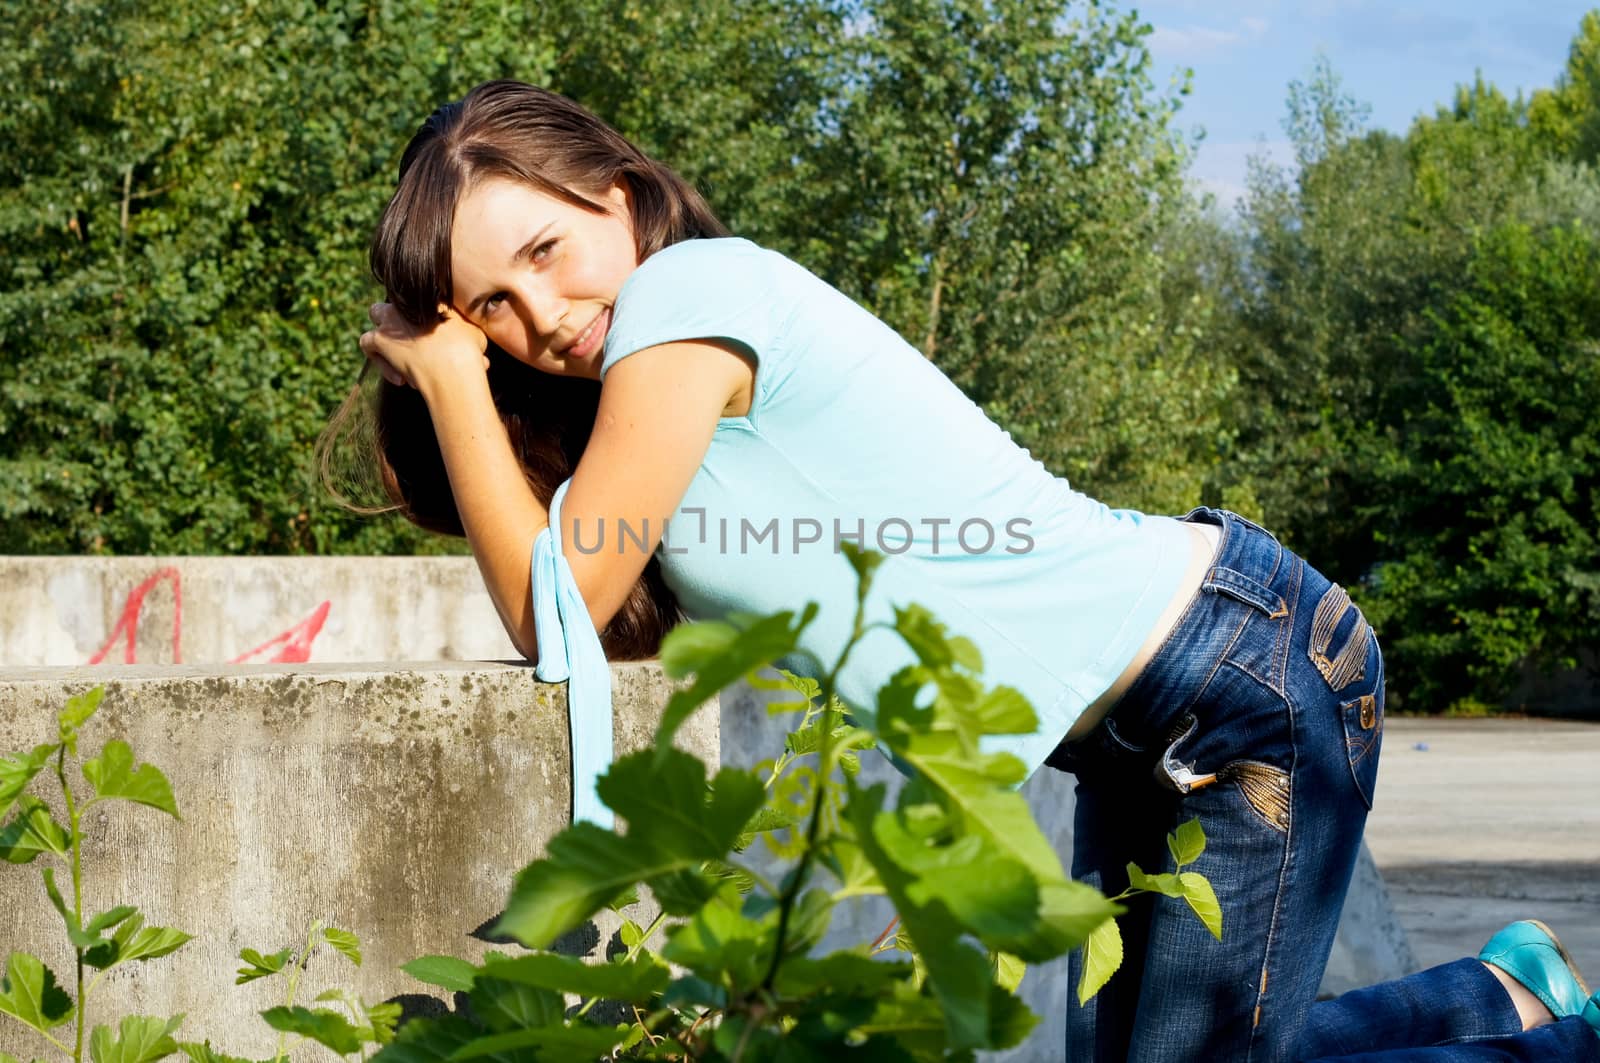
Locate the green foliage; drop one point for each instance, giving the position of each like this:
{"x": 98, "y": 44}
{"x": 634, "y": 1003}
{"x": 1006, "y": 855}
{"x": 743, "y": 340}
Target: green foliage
{"x": 138, "y": 1040}
{"x": 344, "y": 1030}
{"x": 188, "y": 195}
{"x": 977, "y": 889}
{"x": 1102, "y": 953}
{"x": 29, "y": 992}
{"x": 1414, "y": 324}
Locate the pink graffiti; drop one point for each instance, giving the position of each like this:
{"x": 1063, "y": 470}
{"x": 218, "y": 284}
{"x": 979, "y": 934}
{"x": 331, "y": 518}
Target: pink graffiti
{"x": 296, "y": 642}
{"x": 128, "y": 624}
{"x": 292, "y": 646}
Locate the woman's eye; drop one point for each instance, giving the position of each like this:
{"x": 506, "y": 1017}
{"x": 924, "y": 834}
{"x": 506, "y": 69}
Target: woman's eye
{"x": 542, "y": 252}
{"x": 491, "y": 304}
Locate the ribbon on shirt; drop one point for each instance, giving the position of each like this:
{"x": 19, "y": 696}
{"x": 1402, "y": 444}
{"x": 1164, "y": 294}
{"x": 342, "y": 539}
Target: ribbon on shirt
{"x": 569, "y": 651}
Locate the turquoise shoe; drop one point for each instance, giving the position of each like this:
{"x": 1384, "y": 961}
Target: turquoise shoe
{"x": 1531, "y": 953}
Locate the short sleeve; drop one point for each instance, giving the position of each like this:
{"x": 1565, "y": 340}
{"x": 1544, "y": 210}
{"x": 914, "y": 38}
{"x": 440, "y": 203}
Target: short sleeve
{"x": 699, "y": 290}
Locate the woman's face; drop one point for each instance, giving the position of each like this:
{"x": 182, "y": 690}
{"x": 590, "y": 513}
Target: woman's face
{"x": 538, "y": 275}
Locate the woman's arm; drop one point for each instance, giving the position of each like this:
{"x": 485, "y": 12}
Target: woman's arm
{"x": 658, "y": 410}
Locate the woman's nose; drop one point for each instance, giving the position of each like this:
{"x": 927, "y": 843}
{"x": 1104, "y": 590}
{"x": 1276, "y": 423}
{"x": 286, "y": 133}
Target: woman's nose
{"x": 545, "y": 311}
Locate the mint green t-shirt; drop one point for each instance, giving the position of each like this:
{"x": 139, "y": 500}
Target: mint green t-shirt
{"x": 853, "y": 434}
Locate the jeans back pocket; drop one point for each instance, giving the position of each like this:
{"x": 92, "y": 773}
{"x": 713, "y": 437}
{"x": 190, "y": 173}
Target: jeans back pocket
{"x": 1362, "y": 717}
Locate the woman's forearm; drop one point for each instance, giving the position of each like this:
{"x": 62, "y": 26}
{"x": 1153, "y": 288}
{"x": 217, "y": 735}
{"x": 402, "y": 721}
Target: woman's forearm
{"x": 499, "y": 512}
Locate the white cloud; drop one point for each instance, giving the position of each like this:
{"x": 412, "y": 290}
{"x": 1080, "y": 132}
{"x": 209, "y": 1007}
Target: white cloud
{"x": 1223, "y": 169}
{"x": 1173, "y": 42}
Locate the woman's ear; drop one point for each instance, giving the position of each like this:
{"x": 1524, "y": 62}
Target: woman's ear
{"x": 619, "y": 197}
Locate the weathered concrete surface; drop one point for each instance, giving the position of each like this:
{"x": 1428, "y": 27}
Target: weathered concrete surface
{"x": 1493, "y": 820}
{"x": 66, "y": 610}
{"x": 394, "y": 802}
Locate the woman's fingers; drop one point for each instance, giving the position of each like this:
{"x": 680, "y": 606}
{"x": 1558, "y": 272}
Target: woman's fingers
{"x": 369, "y": 347}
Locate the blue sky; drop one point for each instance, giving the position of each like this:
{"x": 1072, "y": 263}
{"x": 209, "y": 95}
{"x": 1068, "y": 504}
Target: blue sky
{"x": 1400, "y": 57}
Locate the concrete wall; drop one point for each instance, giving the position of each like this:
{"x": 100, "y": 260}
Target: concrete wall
{"x": 212, "y": 610}
{"x": 395, "y": 802}
{"x": 69, "y": 610}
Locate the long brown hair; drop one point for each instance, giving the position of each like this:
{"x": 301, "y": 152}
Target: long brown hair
{"x": 522, "y": 133}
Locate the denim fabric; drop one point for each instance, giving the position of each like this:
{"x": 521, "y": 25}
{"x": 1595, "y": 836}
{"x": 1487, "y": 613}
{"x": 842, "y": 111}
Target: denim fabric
{"x": 1262, "y": 715}
{"x": 1455, "y": 1013}
{"x": 1569, "y": 1041}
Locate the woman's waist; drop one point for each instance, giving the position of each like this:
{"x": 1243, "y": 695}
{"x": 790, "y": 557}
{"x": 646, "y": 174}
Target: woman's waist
{"x": 1205, "y": 540}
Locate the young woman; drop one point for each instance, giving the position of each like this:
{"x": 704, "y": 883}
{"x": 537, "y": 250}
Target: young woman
{"x": 563, "y": 310}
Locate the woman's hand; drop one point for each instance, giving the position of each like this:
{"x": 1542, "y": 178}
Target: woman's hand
{"x": 423, "y": 358}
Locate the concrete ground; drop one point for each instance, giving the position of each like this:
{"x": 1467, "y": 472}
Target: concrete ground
{"x": 1479, "y": 822}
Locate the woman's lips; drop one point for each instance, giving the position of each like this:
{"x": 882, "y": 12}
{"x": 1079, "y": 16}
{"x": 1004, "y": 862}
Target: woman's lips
{"x": 592, "y": 338}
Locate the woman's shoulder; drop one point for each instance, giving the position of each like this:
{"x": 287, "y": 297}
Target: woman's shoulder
{"x": 728, "y": 262}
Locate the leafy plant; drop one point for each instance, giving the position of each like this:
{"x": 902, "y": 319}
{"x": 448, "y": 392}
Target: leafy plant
{"x": 346, "y": 1032}
{"x": 977, "y": 887}
{"x": 29, "y": 992}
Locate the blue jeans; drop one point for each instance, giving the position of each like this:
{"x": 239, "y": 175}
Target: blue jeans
{"x": 1262, "y": 715}
{"x": 1454, "y": 1013}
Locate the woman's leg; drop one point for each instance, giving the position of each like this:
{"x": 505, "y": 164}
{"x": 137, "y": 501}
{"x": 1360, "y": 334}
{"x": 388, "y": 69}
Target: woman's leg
{"x": 1263, "y": 712}
{"x": 1458, "y": 1001}
{"x": 1119, "y": 817}
{"x": 1523, "y": 979}
{"x": 1572, "y": 1040}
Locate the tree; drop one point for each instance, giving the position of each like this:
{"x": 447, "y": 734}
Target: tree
{"x": 187, "y": 210}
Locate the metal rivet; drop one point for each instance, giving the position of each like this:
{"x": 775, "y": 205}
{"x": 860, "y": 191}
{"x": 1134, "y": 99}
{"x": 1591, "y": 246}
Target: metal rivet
{"x": 1369, "y": 711}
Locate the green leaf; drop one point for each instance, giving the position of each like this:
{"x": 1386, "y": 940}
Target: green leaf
{"x": 1010, "y": 1021}
{"x": 957, "y": 973}
{"x": 260, "y": 966}
{"x": 864, "y": 563}
{"x": 976, "y": 790}
{"x": 849, "y": 972}
{"x": 90, "y": 937}
{"x": 1102, "y": 955}
{"x": 76, "y": 714}
{"x": 110, "y": 918}
{"x": 29, "y": 992}
{"x": 722, "y": 943}
{"x": 719, "y": 652}
{"x": 1187, "y": 843}
{"x": 934, "y": 647}
{"x": 428, "y": 1040}
{"x": 560, "y": 1042}
{"x": 1004, "y": 710}
{"x": 1203, "y": 899}
{"x": 1008, "y": 971}
{"x": 345, "y": 942}
{"x": 503, "y": 1006}
{"x": 635, "y": 981}
{"x": 135, "y": 941}
{"x": 324, "y": 1026}
{"x": 204, "y": 1053}
{"x": 17, "y": 771}
{"x": 1165, "y": 884}
{"x": 384, "y": 1019}
{"x": 631, "y": 934}
{"x": 114, "y": 777}
{"x": 447, "y": 972}
{"x": 914, "y": 1020}
{"x": 140, "y": 1040}
{"x": 675, "y": 823}
{"x": 808, "y": 689}
{"x": 31, "y": 832}
{"x": 58, "y": 902}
